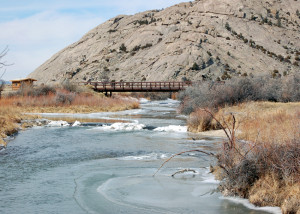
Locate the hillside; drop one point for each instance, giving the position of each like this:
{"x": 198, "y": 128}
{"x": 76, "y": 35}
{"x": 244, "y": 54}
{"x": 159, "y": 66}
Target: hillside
{"x": 195, "y": 40}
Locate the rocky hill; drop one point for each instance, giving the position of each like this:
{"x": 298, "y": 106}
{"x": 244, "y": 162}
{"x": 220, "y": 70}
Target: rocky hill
{"x": 204, "y": 39}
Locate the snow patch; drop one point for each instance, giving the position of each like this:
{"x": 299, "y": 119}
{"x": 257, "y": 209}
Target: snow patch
{"x": 76, "y": 123}
{"x": 172, "y": 128}
{"x": 59, "y": 123}
{"x": 122, "y": 127}
{"x": 143, "y": 100}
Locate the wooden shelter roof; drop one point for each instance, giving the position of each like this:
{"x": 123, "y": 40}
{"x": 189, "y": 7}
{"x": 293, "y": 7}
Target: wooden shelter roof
{"x": 22, "y": 80}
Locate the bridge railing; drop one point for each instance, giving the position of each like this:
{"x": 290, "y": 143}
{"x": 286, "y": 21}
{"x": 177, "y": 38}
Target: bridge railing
{"x": 108, "y": 86}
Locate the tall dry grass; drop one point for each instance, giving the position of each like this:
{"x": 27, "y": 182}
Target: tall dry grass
{"x": 9, "y": 117}
{"x": 265, "y": 121}
{"x": 261, "y": 159}
{"x": 69, "y": 102}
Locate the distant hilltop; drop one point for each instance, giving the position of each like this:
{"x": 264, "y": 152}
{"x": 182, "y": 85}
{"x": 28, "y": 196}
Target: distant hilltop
{"x": 204, "y": 39}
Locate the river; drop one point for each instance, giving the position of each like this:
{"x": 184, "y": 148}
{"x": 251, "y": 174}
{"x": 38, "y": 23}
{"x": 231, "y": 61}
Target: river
{"x": 108, "y": 169}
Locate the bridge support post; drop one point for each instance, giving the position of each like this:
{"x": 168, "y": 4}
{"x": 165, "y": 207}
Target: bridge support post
{"x": 108, "y": 93}
{"x": 174, "y": 95}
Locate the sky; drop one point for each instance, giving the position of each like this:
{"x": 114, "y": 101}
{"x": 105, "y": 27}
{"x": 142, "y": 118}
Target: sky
{"x": 34, "y": 30}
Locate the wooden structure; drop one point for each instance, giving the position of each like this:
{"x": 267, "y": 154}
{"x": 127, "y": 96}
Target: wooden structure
{"x": 17, "y": 84}
{"x": 109, "y": 87}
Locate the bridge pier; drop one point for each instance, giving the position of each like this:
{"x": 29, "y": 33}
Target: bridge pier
{"x": 174, "y": 95}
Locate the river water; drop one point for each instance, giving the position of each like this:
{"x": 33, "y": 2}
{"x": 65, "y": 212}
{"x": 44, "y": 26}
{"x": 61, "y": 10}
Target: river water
{"x": 108, "y": 169}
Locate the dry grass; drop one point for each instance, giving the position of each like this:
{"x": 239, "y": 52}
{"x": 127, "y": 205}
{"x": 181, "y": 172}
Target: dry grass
{"x": 9, "y": 119}
{"x": 68, "y": 102}
{"x": 265, "y": 121}
{"x": 271, "y": 190}
{"x": 50, "y": 100}
{"x": 265, "y": 167}
{"x": 200, "y": 121}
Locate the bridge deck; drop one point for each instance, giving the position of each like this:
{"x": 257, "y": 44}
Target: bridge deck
{"x": 138, "y": 86}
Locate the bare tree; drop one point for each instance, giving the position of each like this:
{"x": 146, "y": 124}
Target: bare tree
{"x": 2, "y": 65}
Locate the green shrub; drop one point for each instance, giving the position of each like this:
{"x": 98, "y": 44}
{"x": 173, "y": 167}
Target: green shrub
{"x": 195, "y": 67}
{"x": 123, "y": 48}
{"x": 227, "y": 26}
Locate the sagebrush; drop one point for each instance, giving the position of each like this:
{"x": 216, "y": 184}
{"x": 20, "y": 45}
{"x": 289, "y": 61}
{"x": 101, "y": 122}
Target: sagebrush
{"x": 213, "y": 95}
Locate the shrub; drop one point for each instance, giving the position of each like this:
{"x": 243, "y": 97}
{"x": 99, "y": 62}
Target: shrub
{"x": 148, "y": 45}
{"x": 123, "y": 48}
{"x": 195, "y": 67}
{"x": 43, "y": 90}
{"x": 136, "y": 48}
{"x": 67, "y": 85}
{"x": 62, "y": 98}
{"x": 200, "y": 121}
{"x": 227, "y": 26}
{"x": 237, "y": 90}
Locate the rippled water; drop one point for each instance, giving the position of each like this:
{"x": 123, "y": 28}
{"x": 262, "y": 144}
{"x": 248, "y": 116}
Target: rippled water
{"x": 108, "y": 169}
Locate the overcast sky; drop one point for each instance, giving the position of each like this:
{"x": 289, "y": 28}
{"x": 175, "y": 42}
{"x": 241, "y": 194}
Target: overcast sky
{"x": 34, "y": 30}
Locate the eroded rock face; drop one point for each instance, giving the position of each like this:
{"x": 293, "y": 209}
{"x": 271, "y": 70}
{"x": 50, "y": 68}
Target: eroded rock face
{"x": 201, "y": 39}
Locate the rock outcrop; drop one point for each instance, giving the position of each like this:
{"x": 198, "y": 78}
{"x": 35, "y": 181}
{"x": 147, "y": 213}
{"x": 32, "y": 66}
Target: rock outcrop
{"x": 214, "y": 39}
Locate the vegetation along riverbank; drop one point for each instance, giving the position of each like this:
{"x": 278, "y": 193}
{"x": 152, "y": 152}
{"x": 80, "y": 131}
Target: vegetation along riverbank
{"x": 260, "y": 160}
{"x": 66, "y": 99}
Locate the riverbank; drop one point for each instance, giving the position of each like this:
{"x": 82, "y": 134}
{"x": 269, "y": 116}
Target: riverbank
{"x": 12, "y": 108}
{"x": 10, "y": 118}
{"x": 261, "y": 159}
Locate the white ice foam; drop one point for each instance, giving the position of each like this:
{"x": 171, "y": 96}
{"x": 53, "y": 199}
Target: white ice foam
{"x": 172, "y": 128}
{"x": 76, "y": 123}
{"x": 122, "y": 127}
{"x": 58, "y": 123}
{"x": 143, "y": 100}
{"x": 151, "y": 156}
{"x": 246, "y": 203}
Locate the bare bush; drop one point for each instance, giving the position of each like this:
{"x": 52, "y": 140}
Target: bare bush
{"x": 43, "y": 90}
{"x": 238, "y": 90}
{"x": 71, "y": 87}
{"x": 63, "y": 98}
{"x": 2, "y": 85}
{"x": 2, "y": 65}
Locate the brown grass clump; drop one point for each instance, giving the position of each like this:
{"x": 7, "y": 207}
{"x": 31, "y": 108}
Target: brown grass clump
{"x": 200, "y": 121}
{"x": 271, "y": 190}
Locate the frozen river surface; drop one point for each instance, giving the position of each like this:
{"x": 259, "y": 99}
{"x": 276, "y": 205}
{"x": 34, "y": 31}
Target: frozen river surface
{"x": 108, "y": 169}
